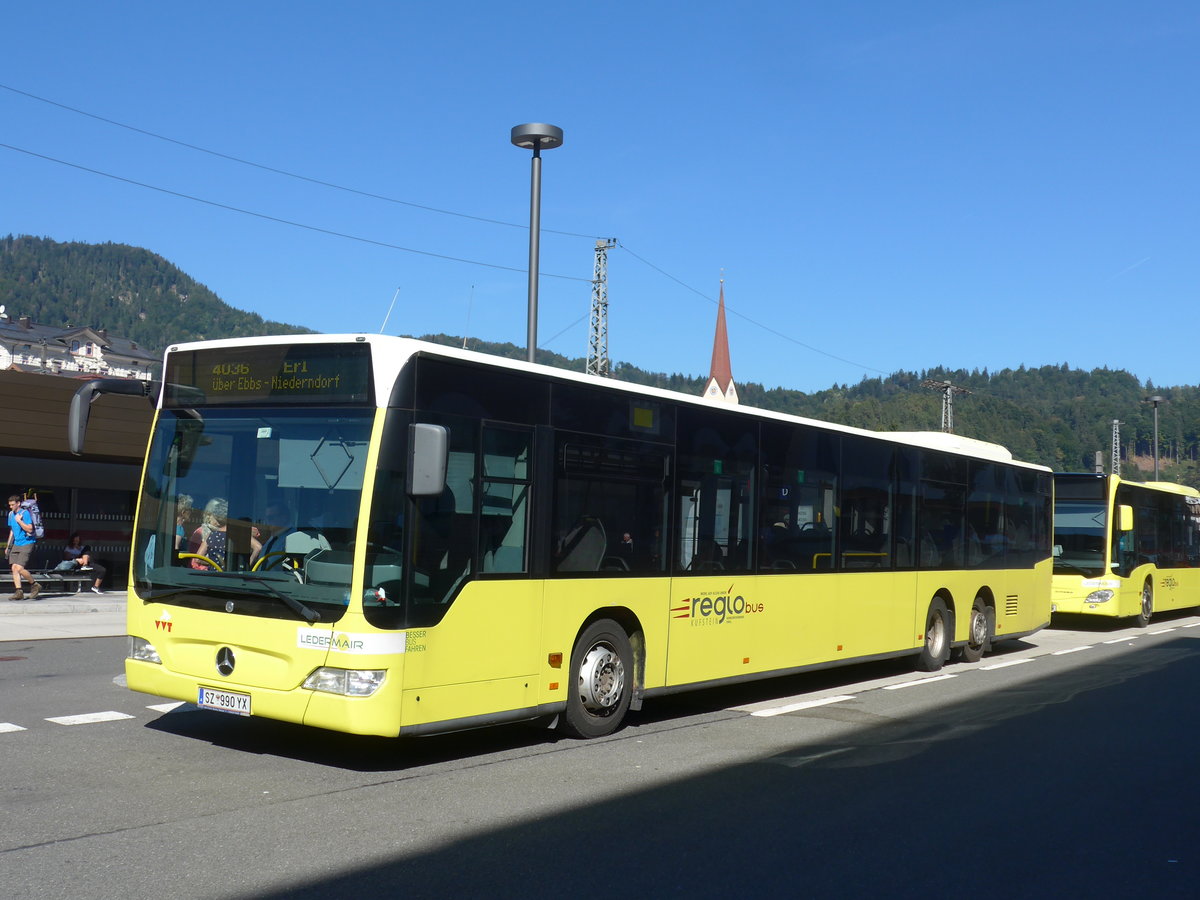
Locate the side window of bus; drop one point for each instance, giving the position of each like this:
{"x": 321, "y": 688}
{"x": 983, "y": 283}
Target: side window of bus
{"x": 985, "y": 537}
{"x": 609, "y": 506}
{"x": 718, "y": 456}
{"x": 1026, "y": 517}
{"x": 798, "y": 499}
{"x": 941, "y": 542}
{"x": 865, "y": 511}
{"x": 503, "y": 523}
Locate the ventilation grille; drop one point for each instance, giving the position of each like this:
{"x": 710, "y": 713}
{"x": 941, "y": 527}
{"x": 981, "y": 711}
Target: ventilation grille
{"x": 1011, "y": 605}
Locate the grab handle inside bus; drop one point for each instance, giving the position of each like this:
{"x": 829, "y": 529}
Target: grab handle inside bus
{"x": 428, "y": 446}
{"x": 1125, "y": 517}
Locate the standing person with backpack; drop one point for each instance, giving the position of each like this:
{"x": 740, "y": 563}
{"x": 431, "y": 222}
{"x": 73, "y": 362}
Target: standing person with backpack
{"x": 21, "y": 541}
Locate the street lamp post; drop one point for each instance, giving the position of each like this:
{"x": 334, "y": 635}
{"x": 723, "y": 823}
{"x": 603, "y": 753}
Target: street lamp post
{"x": 1155, "y": 400}
{"x": 535, "y": 136}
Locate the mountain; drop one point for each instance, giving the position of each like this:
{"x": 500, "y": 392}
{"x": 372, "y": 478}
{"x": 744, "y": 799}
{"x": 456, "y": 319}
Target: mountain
{"x": 130, "y": 291}
{"x": 1054, "y": 415}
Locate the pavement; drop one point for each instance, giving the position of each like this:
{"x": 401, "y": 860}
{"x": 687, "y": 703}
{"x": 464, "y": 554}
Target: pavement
{"x": 61, "y": 615}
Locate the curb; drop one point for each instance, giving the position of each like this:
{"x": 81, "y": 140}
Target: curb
{"x": 95, "y": 604}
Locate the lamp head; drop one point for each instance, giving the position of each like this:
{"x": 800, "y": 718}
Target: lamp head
{"x": 537, "y": 136}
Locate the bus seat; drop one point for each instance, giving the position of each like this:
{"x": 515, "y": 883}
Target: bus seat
{"x": 584, "y": 546}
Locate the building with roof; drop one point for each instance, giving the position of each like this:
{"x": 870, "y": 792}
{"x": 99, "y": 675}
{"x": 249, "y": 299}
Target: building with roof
{"x": 28, "y": 346}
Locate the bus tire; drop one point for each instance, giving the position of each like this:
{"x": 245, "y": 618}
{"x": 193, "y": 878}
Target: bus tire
{"x": 936, "y": 650}
{"x": 601, "y": 681}
{"x": 1142, "y": 619}
{"x": 980, "y": 627}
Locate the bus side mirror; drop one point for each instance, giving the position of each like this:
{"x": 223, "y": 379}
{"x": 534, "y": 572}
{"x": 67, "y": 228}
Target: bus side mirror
{"x": 1125, "y": 518}
{"x": 81, "y": 404}
{"x": 428, "y": 446}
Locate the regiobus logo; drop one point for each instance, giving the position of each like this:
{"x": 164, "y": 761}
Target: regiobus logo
{"x": 715, "y": 608}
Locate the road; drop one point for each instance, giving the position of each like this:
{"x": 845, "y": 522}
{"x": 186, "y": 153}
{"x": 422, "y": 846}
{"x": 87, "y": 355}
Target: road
{"x": 1062, "y": 766}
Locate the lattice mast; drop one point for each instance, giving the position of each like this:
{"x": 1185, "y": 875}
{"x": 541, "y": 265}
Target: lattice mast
{"x": 948, "y": 391}
{"x": 1116, "y": 447}
{"x": 597, "y": 358}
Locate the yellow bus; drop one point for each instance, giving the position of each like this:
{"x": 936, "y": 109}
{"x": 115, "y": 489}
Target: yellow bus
{"x": 382, "y": 536}
{"x": 1124, "y": 549}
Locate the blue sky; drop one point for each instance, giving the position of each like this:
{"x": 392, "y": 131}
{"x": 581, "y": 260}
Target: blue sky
{"x": 884, "y": 185}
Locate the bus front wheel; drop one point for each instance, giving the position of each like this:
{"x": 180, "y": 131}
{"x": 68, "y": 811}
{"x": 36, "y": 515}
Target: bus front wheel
{"x": 937, "y": 637}
{"x": 600, "y": 689}
{"x": 1147, "y": 609}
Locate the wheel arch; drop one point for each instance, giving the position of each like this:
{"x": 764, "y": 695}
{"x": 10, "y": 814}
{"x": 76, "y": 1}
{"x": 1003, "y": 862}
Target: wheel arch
{"x": 629, "y": 621}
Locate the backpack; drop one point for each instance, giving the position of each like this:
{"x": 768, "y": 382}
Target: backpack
{"x": 35, "y": 516}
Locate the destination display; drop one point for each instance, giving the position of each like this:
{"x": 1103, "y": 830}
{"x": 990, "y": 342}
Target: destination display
{"x": 307, "y": 374}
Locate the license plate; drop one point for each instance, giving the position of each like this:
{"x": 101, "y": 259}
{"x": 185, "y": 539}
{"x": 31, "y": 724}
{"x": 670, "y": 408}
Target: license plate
{"x": 225, "y": 701}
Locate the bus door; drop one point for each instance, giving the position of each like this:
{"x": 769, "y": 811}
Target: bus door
{"x": 608, "y": 538}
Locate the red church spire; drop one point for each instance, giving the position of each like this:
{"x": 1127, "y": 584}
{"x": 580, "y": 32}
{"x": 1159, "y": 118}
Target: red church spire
{"x": 720, "y": 378}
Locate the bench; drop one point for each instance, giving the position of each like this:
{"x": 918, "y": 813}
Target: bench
{"x": 50, "y": 581}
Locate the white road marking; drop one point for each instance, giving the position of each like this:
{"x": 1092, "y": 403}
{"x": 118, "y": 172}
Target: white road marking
{"x": 1191, "y": 625}
{"x": 1006, "y": 664}
{"x": 9, "y": 726}
{"x": 165, "y": 707}
{"x": 1121, "y": 640}
{"x": 908, "y": 684}
{"x": 89, "y": 718}
{"x": 1163, "y": 631}
{"x": 796, "y": 707}
{"x": 1072, "y": 650}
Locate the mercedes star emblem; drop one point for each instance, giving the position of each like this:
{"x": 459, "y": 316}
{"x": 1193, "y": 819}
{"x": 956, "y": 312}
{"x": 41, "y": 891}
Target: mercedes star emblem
{"x": 225, "y": 661}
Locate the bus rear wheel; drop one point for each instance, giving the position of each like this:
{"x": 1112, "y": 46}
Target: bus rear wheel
{"x": 979, "y": 631}
{"x": 937, "y": 637}
{"x": 1147, "y": 609}
{"x": 601, "y": 686}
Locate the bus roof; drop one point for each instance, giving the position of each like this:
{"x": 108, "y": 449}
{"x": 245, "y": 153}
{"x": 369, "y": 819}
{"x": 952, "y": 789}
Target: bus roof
{"x": 399, "y": 350}
{"x": 1167, "y": 487}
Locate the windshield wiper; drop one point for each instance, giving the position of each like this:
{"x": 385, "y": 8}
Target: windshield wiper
{"x": 307, "y": 613}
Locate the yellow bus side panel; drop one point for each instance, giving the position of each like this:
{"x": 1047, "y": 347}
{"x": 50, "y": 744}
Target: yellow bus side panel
{"x": 734, "y": 625}
{"x": 569, "y": 603}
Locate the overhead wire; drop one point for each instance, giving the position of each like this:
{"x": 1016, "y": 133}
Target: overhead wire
{"x": 284, "y": 172}
{"x": 376, "y": 196}
{"x": 279, "y": 220}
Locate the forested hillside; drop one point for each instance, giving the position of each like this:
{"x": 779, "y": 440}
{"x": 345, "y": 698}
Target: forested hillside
{"x": 1050, "y": 414}
{"x": 130, "y": 291}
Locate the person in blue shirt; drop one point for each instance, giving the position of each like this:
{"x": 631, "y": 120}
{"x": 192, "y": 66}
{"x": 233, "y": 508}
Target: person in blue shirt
{"x": 19, "y": 548}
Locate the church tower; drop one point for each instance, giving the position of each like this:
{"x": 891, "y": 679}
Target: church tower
{"x": 720, "y": 387}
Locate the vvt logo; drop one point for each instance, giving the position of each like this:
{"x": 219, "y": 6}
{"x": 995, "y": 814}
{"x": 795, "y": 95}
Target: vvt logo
{"x": 716, "y": 609}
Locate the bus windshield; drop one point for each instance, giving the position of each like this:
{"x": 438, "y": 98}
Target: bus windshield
{"x": 252, "y": 511}
{"x": 1080, "y": 534}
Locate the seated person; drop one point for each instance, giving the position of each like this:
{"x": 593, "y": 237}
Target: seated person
{"x": 209, "y": 540}
{"x": 78, "y": 556}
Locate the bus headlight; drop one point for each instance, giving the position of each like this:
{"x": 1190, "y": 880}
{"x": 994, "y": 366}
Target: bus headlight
{"x": 347, "y": 682}
{"x": 140, "y": 648}
{"x": 1099, "y": 596}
